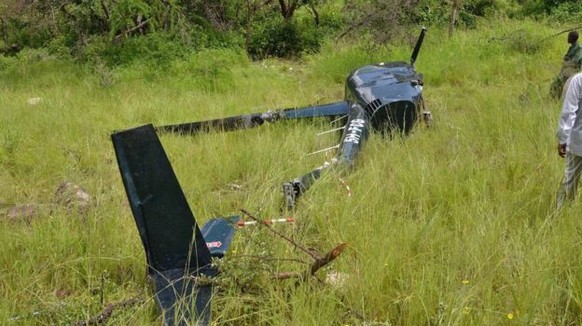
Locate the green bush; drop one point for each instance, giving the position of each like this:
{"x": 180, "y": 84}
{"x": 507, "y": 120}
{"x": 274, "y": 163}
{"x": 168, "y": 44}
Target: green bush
{"x": 25, "y": 33}
{"x": 569, "y": 12}
{"x": 60, "y": 46}
{"x": 275, "y": 37}
{"x": 157, "y": 49}
{"x": 330, "y": 22}
{"x": 437, "y": 13}
{"x": 542, "y": 8}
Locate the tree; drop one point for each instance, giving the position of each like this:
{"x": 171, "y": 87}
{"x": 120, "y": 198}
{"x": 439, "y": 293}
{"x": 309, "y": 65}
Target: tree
{"x": 455, "y": 7}
{"x": 288, "y": 8}
{"x": 383, "y": 19}
{"x": 252, "y": 7}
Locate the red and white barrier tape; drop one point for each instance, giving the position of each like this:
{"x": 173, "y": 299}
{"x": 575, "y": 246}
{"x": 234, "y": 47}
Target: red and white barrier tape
{"x": 268, "y": 222}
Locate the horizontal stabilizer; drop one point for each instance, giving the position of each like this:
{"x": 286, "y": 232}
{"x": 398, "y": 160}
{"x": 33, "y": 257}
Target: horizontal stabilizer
{"x": 218, "y": 233}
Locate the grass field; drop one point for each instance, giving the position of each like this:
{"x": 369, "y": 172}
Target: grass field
{"x": 455, "y": 225}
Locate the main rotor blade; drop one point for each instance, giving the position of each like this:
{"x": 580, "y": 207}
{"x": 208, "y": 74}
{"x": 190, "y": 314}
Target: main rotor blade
{"x": 315, "y": 111}
{"x": 238, "y": 122}
{"x": 417, "y": 46}
{"x": 247, "y": 121}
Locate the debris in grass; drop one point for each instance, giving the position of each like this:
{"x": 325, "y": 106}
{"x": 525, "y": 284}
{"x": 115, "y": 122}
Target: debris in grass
{"x": 62, "y": 293}
{"x": 336, "y": 279}
{"x": 34, "y": 100}
{"x": 234, "y": 186}
{"x": 23, "y": 212}
{"x": 72, "y": 197}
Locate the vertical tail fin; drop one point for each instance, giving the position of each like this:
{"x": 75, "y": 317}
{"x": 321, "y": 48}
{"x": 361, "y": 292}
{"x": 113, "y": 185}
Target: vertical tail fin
{"x": 174, "y": 245}
{"x": 166, "y": 224}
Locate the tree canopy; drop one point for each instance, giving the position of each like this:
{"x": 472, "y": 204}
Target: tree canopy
{"x": 263, "y": 28}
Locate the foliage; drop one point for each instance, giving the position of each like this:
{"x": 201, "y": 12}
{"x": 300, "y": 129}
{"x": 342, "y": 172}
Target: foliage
{"x": 289, "y": 28}
{"x": 567, "y": 12}
{"x": 75, "y": 25}
{"x": 138, "y": 16}
{"x": 384, "y": 20}
{"x": 276, "y": 37}
{"x": 155, "y": 49}
{"x": 539, "y": 8}
{"x": 437, "y": 13}
{"x": 219, "y": 15}
{"x": 24, "y": 32}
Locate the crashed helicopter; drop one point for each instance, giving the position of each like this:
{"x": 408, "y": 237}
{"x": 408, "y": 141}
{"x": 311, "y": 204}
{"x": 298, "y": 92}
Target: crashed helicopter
{"x": 383, "y": 97}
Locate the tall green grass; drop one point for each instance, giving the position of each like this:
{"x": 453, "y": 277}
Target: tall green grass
{"x": 453, "y": 225}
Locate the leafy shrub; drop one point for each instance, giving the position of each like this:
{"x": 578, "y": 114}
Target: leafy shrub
{"x": 434, "y": 12}
{"x": 157, "y": 49}
{"x": 24, "y": 32}
{"x": 568, "y": 12}
{"x": 59, "y": 46}
{"x": 565, "y": 10}
{"x": 93, "y": 51}
{"x": 276, "y": 37}
{"x": 330, "y": 22}
{"x": 29, "y": 55}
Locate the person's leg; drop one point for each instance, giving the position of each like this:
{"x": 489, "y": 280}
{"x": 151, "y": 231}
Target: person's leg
{"x": 556, "y": 86}
{"x": 572, "y": 171}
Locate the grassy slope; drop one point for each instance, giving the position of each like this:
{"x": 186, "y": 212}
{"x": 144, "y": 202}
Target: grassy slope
{"x": 454, "y": 225}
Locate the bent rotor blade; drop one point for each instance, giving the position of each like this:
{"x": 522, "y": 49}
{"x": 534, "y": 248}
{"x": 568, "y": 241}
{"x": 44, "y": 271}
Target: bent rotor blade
{"x": 175, "y": 248}
{"x": 247, "y": 121}
{"x": 239, "y": 122}
{"x": 417, "y": 46}
{"x": 315, "y": 111}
